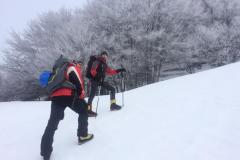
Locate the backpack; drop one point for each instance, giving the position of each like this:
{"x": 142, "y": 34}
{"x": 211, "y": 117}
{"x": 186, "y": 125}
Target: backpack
{"x": 57, "y": 78}
{"x": 44, "y": 77}
{"x": 89, "y": 66}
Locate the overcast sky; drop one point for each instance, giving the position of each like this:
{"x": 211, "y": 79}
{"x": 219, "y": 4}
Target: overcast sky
{"x": 16, "y": 14}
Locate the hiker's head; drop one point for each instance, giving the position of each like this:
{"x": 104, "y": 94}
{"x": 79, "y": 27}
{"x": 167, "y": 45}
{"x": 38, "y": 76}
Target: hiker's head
{"x": 104, "y": 54}
{"x": 77, "y": 62}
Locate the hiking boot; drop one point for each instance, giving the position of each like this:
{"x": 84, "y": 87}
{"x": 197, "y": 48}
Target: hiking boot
{"x": 85, "y": 139}
{"x": 46, "y": 158}
{"x": 91, "y": 113}
{"x": 115, "y": 107}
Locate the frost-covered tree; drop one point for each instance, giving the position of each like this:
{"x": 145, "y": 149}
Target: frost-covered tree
{"x": 151, "y": 38}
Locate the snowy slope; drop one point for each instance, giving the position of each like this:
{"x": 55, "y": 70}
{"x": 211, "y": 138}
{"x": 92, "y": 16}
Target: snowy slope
{"x": 194, "y": 117}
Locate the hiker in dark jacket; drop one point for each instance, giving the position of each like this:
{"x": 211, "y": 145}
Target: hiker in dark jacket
{"x": 98, "y": 71}
{"x": 62, "y": 98}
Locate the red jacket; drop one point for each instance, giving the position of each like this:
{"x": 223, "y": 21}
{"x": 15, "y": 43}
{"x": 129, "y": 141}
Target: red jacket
{"x": 100, "y": 68}
{"x": 74, "y": 75}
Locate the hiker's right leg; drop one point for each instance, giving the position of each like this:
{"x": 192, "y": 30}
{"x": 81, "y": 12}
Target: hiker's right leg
{"x": 80, "y": 107}
{"x": 57, "y": 114}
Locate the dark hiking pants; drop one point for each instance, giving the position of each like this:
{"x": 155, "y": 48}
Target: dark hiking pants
{"x": 93, "y": 88}
{"x": 58, "y": 106}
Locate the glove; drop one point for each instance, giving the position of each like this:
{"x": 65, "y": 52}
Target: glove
{"x": 121, "y": 70}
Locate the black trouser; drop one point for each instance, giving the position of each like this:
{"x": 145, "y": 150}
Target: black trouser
{"x": 58, "y": 106}
{"x": 94, "y": 85}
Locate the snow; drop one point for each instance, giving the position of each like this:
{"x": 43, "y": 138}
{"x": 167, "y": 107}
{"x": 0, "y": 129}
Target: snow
{"x": 194, "y": 117}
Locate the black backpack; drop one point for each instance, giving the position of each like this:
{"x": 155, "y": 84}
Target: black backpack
{"x": 57, "y": 79}
{"x": 89, "y": 66}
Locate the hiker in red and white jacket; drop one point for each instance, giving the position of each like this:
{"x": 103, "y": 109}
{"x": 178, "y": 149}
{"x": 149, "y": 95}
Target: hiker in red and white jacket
{"x": 67, "y": 97}
{"x": 98, "y": 71}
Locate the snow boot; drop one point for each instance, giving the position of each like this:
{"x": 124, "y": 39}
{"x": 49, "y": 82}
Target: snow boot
{"x": 46, "y": 158}
{"x": 90, "y": 112}
{"x": 114, "y": 106}
{"x": 85, "y": 139}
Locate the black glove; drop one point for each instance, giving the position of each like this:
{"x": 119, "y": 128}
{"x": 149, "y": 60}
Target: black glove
{"x": 121, "y": 70}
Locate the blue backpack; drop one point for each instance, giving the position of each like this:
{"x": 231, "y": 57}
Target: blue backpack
{"x": 44, "y": 78}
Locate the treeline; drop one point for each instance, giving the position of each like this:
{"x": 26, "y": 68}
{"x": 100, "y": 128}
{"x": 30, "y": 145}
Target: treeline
{"x": 152, "y": 39}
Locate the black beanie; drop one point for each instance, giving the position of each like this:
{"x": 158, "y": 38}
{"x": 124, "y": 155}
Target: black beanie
{"x": 104, "y": 53}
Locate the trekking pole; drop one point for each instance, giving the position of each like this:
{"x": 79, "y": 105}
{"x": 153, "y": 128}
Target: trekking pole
{"x": 123, "y": 88}
{"x": 99, "y": 90}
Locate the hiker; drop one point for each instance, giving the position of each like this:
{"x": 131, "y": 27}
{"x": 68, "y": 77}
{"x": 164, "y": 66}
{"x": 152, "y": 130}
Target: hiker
{"x": 67, "y": 97}
{"x": 96, "y": 70}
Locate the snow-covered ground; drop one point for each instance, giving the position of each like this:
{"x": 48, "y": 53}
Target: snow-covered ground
{"x": 194, "y": 117}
